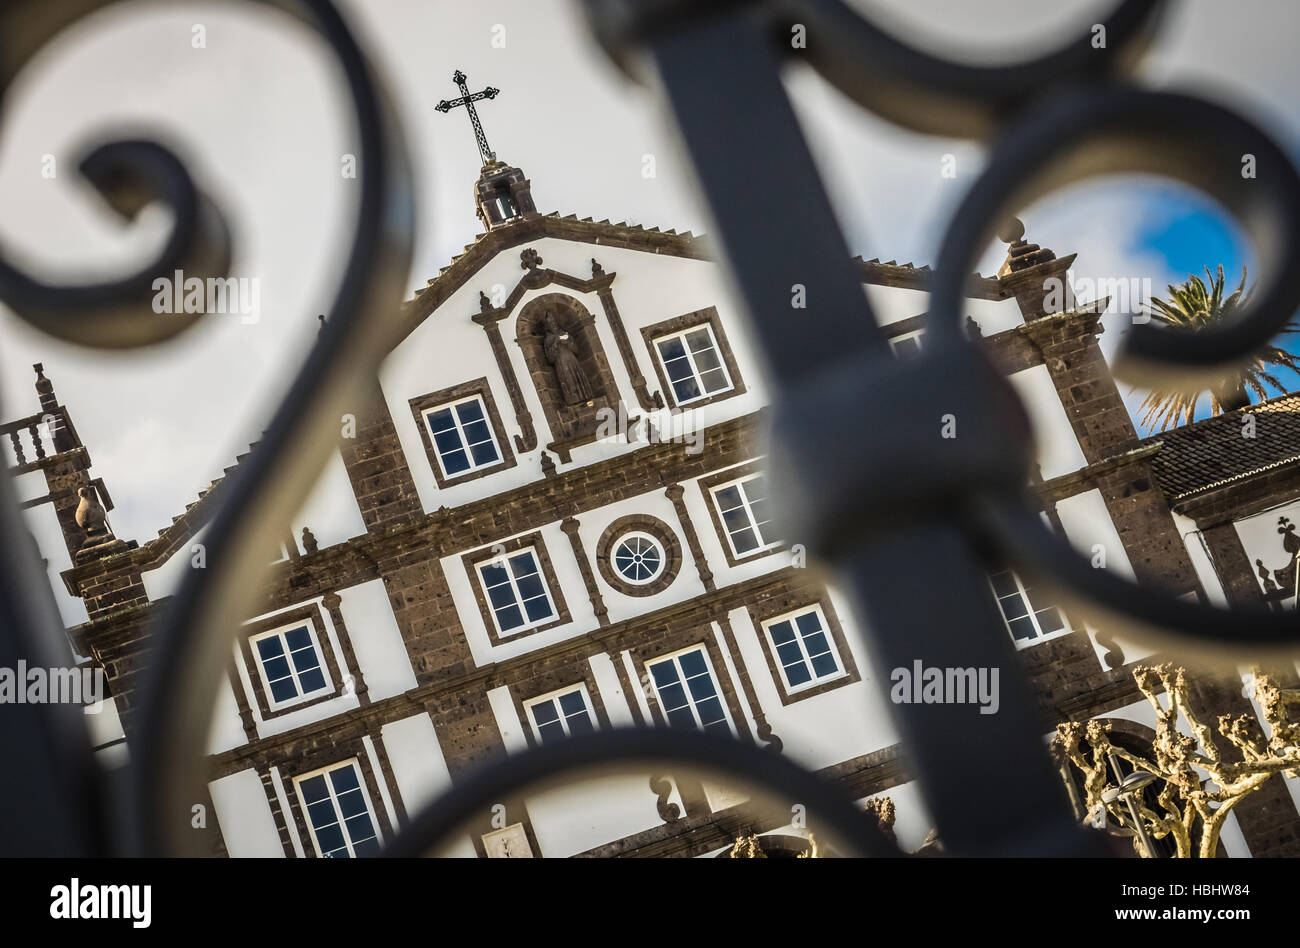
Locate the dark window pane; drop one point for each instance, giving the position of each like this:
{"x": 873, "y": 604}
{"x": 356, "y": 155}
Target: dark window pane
{"x": 270, "y": 647}
{"x": 439, "y": 420}
{"x": 693, "y": 664}
{"x": 298, "y": 638}
{"x": 1004, "y": 584}
{"x": 344, "y": 779}
{"x": 510, "y": 618}
{"x": 455, "y": 462}
{"x": 277, "y": 668}
{"x": 321, "y": 813}
{"x": 686, "y": 389}
{"x": 538, "y": 609}
{"x": 789, "y": 653}
{"x": 283, "y": 690}
{"x": 672, "y": 696}
{"x": 1023, "y": 629}
{"x": 312, "y": 681}
{"x": 501, "y": 596}
{"x": 447, "y": 441}
{"x": 545, "y": 712}
{"x": 671, "y": 349}
{"x": 663, "y": 673}
{"x": 313, "y": 789}
{"x": 825, "y": 665}
{"x": 485, "y": 453}
{"x": 797, "y": 674}
{"x": 572, "y": 703}
{"x": 469, "y": 412}
{"x": 681, "y": 717}
{"x": 331, "y": 838}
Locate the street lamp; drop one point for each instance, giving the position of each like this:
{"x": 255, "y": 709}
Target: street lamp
{"x": 1129, "y": 788}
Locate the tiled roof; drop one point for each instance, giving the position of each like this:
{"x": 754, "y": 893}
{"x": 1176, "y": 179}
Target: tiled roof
{"x": 1214, "y": 452}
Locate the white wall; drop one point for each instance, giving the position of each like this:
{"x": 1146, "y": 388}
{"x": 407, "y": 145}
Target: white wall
{"x": 247, "y": 825}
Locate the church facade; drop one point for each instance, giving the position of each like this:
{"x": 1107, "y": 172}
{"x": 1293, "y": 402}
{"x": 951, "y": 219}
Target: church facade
{"x": 552, "y": 517}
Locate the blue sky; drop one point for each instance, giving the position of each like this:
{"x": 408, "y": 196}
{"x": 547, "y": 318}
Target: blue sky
{"x": 1188, "y": 233}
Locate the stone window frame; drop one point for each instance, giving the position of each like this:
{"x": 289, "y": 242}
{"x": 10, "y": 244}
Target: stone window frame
{"x": 526, "y": 706}
{"x": 533, "y": 540}
{"x": 575, "y": 670}
{"x": 334, "y": 672}
{"x": 713, "y": 660}
{"x": 717, "y": 480}
{"x": 701, "y": 317}
{"x": 1031, "y": 613}
{"x": 654, "y": 527}
{"x": 433, "y": 400}
{"x": 695, "y": 634}
{"x": 369, "y": 787}
{"x": 781, "y": 606}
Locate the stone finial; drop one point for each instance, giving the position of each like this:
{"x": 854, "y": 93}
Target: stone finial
{"x": 1020, "y": 255}
{"x": 529, "y": 259}
{"x": 309, "y": 543}
{"x": 596, "y": 269}
{"x": 43, "y": 385}
{"x": 548, "y": 465}
{"x": 484, "y": 302}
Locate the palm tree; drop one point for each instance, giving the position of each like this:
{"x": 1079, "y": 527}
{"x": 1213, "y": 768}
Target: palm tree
{"x": 1192, "y": 306}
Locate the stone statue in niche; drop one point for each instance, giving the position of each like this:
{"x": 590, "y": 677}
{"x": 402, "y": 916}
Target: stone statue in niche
{"x": 561, "y": 351}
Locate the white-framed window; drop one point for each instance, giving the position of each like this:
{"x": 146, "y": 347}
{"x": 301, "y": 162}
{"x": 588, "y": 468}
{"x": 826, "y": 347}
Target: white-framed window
{"x": 289, "y": 663}
{"x": 907, "y": 345}
{"x": 693, "y": 364}
{"x": 338, "y": 811}
{"x": 687, "y": 691}
{"x": 1028, "y": 619}
{"x": 804, "y": 648}
{"x": 516, "y": 591}
{"x": 743, "y": 509}
{"x": 561, "y": 713}
{"x": 462, "y": 436}
{"x": 638, "y": 558}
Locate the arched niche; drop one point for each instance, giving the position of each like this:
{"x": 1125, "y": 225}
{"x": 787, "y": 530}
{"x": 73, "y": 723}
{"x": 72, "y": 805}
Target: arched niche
{"x": 572, "y": 421}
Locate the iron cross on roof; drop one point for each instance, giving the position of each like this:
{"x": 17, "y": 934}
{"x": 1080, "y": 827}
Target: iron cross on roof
{"x": 468, "y": 100}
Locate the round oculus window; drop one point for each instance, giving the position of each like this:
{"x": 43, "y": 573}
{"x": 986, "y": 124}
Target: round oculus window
{"x": 638, "y": 558}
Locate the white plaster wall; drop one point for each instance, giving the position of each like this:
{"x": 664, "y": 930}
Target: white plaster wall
{"x": 330, "y": 510}
{"x": 859, "y": 712}
{"x": 1058, "y": 449}
{"x": 226, "y": 730}
{"x": 583, "y": 812}
{"x": 420, "y": 770}
{"x": 611, "y": 690}
{"x": 247, "y": 825}
{"x": 449, "y": 348}
{"x": 1201, "y": 562}
{"x": 1090, "y": 530}
{"x": 892, "y": 304}
{"x": 1261, "y": 540}
{"x": 166, "y": 579}
{"x": 621, "y": 606}
{"x": 376, "y": 639}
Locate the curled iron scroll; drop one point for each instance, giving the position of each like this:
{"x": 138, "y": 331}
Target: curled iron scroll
{"x": 1067, "y": 115}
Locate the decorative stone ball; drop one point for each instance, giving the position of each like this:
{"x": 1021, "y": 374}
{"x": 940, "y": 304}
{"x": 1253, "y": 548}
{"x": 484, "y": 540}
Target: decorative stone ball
{"x": 1011, "y": 231}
